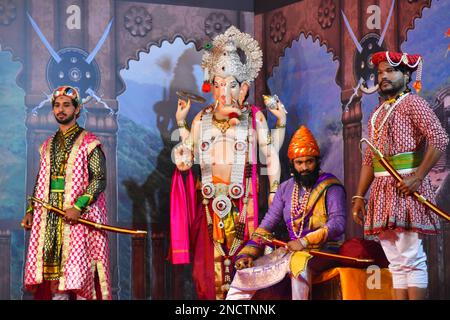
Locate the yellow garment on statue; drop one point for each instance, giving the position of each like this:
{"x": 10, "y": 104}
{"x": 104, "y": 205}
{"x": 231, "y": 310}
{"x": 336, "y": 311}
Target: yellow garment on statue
{"x": 228, "y": 231}
{"x": 298, "y": 262}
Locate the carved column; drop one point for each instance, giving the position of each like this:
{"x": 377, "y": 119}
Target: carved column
{"x": 138, "y": 267}
{"x": 352, "y": 131}
{"x": 158, "y": 270}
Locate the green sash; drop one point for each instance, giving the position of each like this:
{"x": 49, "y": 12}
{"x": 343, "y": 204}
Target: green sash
{"x": 401, "y": 161}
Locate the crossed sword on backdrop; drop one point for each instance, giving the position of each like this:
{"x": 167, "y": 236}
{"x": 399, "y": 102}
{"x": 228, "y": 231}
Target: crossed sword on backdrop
{"x": 58, "y": 59}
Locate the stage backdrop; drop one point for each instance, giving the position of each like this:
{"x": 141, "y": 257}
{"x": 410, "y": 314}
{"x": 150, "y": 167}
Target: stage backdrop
{"x": 140, "y": 67}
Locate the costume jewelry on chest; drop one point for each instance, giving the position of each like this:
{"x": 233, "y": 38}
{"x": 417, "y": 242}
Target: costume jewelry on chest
{"x": 390, "y": 106}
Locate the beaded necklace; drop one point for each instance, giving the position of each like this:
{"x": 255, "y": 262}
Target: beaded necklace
{"x": 391, "y": 104}
{"x": 298, "y": 209}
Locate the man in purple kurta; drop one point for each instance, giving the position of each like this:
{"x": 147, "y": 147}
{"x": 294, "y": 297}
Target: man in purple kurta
{"x": 312, "y": 204}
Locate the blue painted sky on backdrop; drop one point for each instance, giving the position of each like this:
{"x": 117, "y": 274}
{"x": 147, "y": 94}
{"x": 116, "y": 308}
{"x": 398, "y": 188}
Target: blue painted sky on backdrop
{"x": 305, "y": 83}
{"x": 153, "y": 75}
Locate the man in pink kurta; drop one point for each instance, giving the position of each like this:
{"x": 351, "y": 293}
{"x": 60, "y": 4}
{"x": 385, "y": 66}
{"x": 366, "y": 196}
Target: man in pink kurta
{"x": 408, "y": 133}
{"x": 64, "y": 256}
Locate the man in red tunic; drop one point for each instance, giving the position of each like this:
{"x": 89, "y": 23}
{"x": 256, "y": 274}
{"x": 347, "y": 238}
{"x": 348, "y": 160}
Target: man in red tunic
{"x": 408, "y": 133}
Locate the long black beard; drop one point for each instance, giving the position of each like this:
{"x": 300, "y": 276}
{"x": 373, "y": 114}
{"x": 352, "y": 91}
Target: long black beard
{"x": 307, "y": 180}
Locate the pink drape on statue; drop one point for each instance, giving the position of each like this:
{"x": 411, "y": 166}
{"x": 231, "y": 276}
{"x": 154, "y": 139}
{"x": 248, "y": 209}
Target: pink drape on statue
{"x": 179, "y": 221}
{"x": 190, "y": 197}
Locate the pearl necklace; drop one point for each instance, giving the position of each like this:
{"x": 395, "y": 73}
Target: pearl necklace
{"x": 387, "y": 104}
{"x": 298, "y": 209}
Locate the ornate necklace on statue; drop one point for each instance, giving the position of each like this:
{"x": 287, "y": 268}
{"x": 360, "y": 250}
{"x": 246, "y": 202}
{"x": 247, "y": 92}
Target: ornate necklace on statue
{"x": 220, "y": 196}
{"x": 388, "y": 104}
{"x": 222, "y": 125}
{"x": 298, "y": 209}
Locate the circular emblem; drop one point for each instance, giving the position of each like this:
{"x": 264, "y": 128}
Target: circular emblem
{"x": 244, "y": 108}
{"x": 240, "y": 146}
{"x": 363, "y": 66}
{"x": 208, "y": 190}
{"x": 74, "y": 70}
{"x": 221, "y": 206}
{"x": 204, "y": 145}
{"x": 236, "y": 190}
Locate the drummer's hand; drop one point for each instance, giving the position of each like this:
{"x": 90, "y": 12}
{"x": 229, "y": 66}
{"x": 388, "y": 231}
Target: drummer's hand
{"x": 182, "y": 110}
{"x": 245, "y": 262}
{"x": 295, "y": 245}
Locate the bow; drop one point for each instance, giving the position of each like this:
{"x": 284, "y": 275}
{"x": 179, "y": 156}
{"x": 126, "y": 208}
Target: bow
{"x": 89, "y": 223}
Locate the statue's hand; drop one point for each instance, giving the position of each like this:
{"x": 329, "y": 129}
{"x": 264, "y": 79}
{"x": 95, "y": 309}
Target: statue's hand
{"x": 182, "y": 110}
{"x": 279, "y": 112}
{"x": 183, "y": 157}
{"x": 243, "y": 93}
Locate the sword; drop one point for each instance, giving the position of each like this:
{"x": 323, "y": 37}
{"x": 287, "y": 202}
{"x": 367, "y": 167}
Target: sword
{"x": 44, "y": 39}
{"x": 87, "y": 222}
{"x": 389, "y": 168}
{"x": 100, "y": 43}
{"x": 279, "y": 243}
{"x": 383, "y": 33}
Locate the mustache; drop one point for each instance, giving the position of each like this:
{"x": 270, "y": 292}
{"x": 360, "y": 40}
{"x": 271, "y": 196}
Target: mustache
{"x": 385, "y": 81}
{"x": 61, "y": 114}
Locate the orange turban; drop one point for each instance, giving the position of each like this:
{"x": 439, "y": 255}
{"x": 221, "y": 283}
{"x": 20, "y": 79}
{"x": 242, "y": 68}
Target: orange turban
{"x": 303, "y": 144}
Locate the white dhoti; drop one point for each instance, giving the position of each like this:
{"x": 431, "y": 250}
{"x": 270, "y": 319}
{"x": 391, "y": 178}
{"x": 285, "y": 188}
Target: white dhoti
{"x": 407, "y": 259}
